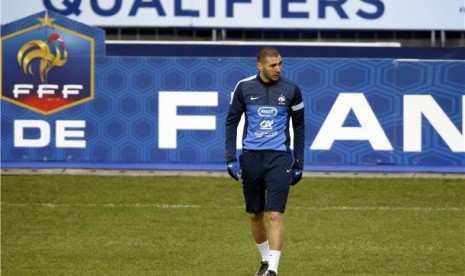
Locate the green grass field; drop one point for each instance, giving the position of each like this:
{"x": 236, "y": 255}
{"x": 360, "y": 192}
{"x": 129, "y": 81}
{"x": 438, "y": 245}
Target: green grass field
{"x": 109, "y": 225}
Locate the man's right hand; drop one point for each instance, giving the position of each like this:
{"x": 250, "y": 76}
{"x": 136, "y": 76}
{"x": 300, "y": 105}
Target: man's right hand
{"x": 234, "y": 170}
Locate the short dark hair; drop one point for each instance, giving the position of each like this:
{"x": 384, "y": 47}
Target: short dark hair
{"x": 267, "y": 52}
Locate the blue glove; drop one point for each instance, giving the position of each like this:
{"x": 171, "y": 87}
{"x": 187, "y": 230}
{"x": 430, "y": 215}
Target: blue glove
{"x": 234, "y": 170}
{"x": 296, "y": 176}
{"x": 297, "y": 170}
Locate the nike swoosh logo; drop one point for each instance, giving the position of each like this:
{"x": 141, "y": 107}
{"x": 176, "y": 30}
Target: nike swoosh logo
{"x": 253, "y": 98}
{"x": 288, "y": 171}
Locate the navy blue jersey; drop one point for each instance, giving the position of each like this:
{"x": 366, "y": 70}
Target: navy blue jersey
{"x": 268, "y": 108}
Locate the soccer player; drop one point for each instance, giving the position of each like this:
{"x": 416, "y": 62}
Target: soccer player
{"x": 267, "y": 165}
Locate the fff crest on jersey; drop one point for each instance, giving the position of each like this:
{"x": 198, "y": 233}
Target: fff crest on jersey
{"x": 46, "y": 65}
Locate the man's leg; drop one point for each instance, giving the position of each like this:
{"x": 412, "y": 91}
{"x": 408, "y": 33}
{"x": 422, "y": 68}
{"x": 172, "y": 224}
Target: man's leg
{"x": 257, "y": 225}
{"x": 254, "y": 195}
{"x": 276, "y": 239}
{"x": 277, "y": 184}
{"x": 276, "y": 230}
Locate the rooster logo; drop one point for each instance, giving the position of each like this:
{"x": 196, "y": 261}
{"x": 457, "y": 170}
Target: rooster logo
{"x": 40, "y": 50}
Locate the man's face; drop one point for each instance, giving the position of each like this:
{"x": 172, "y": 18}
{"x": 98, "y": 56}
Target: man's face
{"x": 270, "y": 68}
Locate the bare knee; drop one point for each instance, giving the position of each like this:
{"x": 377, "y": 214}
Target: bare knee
{"x": 256, "y": 217}
{"x": 275, "y": 217}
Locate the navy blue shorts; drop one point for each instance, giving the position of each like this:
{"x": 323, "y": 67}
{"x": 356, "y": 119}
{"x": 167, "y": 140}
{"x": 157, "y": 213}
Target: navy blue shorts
{"x": 266, "y": 178}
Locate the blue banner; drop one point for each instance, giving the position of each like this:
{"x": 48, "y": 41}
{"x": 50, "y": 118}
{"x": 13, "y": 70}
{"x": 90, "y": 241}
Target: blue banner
{"x": 170, "y": 111}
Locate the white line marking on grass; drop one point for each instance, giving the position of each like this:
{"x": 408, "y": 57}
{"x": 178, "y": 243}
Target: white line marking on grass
{"x": 107, "y": 205}
{"x": 381, "y": 208}
{"x": 194, "y": 206}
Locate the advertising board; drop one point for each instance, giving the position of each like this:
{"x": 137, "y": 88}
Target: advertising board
{"x": 170, "y": 111}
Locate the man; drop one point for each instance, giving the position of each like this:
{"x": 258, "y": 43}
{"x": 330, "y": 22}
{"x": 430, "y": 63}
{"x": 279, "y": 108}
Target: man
{"x": 267, "y": 165}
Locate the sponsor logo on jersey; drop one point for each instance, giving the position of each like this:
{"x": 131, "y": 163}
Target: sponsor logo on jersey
{"x": 267, "y": 111}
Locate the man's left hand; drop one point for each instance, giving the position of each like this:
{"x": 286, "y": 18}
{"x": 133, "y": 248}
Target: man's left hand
{"x": 297, "y": 170}
{"x": 296, "y": 176}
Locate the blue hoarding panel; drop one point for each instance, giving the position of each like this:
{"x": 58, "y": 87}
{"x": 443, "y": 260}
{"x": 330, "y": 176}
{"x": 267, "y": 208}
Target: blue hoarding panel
{"x": 66, "y": 104}
{"x": 172, "y": 110}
